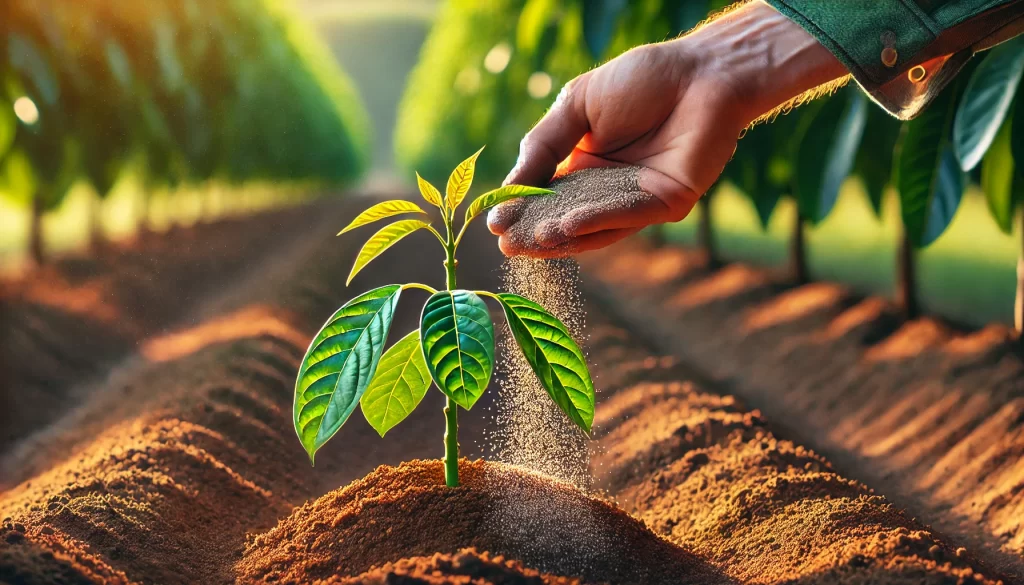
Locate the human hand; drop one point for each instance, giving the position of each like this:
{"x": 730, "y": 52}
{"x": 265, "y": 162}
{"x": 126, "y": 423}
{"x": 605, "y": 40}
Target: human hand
{"x": 675, "y": 108}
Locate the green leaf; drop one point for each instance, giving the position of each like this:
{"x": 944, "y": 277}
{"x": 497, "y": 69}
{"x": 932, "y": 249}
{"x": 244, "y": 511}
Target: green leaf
{"x": 429, "y": 192}
{"x": 687, "y": 14}
{"x": 599, "y": 20}
{"x": 1017, "y": 136}
{"x": 25, "y": 57}
{"x": 928, "y": 174}
{"x": 401, "y": 383}
{"x": 382, "y": 210}
{"x": 460, "y": 180}
{"x": 874, "y": 160}
{"x": 533, "y": 20}
{"x": 458, "y": 344}
{"x": 554, "y": 357}
{"x": 8, "y": 127}
{"x": 339, "y": 364}
{"x": 383, "y": 240}
{"x": 986, "y": 101}
{"x": 997, "y": 179}
{"x": 501, "y": 195}
{"x": 826, "y": 153}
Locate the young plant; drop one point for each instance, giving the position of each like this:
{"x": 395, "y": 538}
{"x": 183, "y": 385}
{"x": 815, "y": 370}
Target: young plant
{"x": 453, "y": 347}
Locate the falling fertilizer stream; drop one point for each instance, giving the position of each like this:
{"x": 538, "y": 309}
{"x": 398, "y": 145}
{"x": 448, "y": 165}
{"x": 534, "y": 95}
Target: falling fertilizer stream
{"x": 530, "y": 430}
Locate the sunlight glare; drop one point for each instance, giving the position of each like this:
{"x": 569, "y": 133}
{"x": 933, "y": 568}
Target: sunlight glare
{"x": 539, "y": 85}
{"x": 498, "y": 57}
{"x": 26, "y": 111}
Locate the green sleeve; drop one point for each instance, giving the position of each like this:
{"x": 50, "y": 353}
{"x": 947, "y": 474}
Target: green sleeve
{"x": 904, "y": 51}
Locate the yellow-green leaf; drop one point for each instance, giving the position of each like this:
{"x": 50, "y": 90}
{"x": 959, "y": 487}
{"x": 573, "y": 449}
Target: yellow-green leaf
{"x": 383, "y": 240}
{"x": 501, "y": 195}
{"x": 460, "y": 180}
{"x": 399, "y": 385}
{"x": 429, "y": 192}
{"x": 382, "y": 210}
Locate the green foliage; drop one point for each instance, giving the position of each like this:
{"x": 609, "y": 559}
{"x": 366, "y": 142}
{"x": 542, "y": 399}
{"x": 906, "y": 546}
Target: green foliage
{"x": 339, "y": 365}
{"x": 383, "y": 240}
{"x": 382, "y": 210}
{"x": 181, "y": 90}
{"x": 453, "y": 347}
{"x": 986, "y": 101}
{"x": 401, "y": 382}
{"x": 826, "y": 153}
{"x": 553, "y": 355}
{"x": 929, "y": 178}
{"x": 458, "y": 342}
{"x": 997, "y": 180}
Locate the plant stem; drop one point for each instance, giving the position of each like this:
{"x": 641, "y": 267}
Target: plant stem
{"x": 451, "y": 412}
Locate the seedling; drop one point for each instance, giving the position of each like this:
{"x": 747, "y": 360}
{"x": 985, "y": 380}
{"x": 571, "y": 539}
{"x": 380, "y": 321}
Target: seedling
{"x": 453, "y": 347}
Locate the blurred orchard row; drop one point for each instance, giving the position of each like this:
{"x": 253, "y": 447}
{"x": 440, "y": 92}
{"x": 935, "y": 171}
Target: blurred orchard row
{"x": 175, "y": 93}
{"x": 490, "y": 69}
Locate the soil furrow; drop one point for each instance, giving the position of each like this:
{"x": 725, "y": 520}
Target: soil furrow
{"x": 927, "y": 415}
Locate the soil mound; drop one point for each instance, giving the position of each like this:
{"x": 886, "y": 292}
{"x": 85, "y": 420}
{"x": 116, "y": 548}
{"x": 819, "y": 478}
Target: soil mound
{"x": 406, "y": 511}
{"x": 467, "y": 567}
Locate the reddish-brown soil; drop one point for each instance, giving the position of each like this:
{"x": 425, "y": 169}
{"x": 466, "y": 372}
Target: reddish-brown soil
{"x": 67, "y": 323}
{"x": 466, "y": 567}
{"x": 930, "y": 416}
{"x": 396, "y": 512}
{"x": 178, "y": 464}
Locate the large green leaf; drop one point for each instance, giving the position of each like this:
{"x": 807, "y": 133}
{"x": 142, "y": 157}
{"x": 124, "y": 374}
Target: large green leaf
{"x": 458, "y": 344}
{"x": 874, "y": 160}
{"x": 382, "y": 210}
{"x": 401, "y": 383}
{"x": 599, "y": 20}
{"x": 383, "y": 240}
{"x": 339, "y": 365}
{"x": 986, "y": 101}
{"x": 997, "y": 179}
{"x": 501, "y": 195}
{"x": 826, "y": 153}
{"x": 1017, "y": 136}
{"x": 928, "y": 174}
{"x": 461, "y": 180}
{"x": 554, "y": 356}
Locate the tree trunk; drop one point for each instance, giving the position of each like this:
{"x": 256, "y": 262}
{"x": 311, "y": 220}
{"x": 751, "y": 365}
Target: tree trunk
{"x": 1018, "y": 304}
{"x": 706, "y": 233}
{"x": 906, "y": 285}
{"x": 798, "y": 251}
{"x": 35, "y": 231}
{"x": 96, "y": 239}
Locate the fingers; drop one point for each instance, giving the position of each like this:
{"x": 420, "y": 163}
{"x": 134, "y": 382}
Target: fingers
{"x": 501, "y": 217}
{"x": 512, "y": 247}
{"x": 553, "y": 138}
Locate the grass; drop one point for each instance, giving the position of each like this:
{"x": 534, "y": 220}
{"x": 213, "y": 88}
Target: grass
{"x": 968, "y": 275}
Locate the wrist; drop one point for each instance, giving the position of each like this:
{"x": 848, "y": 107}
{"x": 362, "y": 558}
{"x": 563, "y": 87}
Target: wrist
{"x": 764, "y": 58}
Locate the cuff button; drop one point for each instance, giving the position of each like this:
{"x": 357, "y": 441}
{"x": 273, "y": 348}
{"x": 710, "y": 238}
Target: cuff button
{"x": 889, "y": 57}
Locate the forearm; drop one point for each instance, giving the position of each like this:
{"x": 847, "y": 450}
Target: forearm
{"x": 766, "y": 58}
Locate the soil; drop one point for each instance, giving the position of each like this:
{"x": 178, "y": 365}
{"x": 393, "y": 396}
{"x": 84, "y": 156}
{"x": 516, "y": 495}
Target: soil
{"x": 929, "y": 415}
{"x": 403, "y": 511}
{"x": 178, "y": 464}
{"x": 466, "y": 567}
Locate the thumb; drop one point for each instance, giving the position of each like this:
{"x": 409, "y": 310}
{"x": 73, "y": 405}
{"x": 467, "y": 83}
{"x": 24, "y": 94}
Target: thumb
{"x": 553, "y": 138}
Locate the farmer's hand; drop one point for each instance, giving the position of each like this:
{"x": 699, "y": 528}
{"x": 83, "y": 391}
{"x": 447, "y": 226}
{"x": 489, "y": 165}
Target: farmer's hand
{"x": 676, "y": 108}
